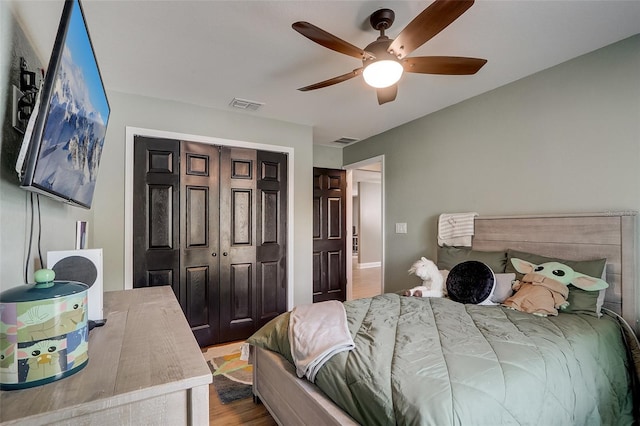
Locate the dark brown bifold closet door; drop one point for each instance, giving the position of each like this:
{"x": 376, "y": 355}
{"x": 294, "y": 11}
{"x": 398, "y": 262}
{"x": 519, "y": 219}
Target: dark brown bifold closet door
{"x": 212, "y": 225}
{"x": 156, "y": 217}
{"x": 200, "y": 239}
{"x": 271, "y": 253}
{"x": 253, "y": 200}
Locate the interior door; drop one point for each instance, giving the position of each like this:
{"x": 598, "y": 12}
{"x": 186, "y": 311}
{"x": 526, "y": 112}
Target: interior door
{"x": 199, "y": 239}
{"x": 156, "y": 213}
{"x": 237, "y": 243}
{"x": 253, "y": 240}
{"x": 271, "y": 251}
{"x": 329, "y": 235}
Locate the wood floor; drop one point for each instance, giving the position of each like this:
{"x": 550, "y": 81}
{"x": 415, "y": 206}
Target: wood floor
{"x": 241, "y": 412}
{"x": 366, "y": 283}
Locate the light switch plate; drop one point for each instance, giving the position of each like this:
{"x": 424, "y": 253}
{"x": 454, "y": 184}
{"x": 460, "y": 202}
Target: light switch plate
{"x": 401, "y": 228}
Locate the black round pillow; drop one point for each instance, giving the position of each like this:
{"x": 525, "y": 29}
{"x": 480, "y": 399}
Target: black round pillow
{"x": 470, "y": 282}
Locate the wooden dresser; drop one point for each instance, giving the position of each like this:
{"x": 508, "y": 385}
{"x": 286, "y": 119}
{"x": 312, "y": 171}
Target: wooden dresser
{"x": 145, "y": 367}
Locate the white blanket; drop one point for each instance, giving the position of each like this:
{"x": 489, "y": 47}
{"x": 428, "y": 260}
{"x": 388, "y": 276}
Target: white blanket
{"x": 316, "y": 333}
{"x": 456, "y": 229}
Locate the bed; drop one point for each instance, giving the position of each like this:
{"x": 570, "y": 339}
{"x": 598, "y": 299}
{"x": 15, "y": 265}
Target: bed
{"x": 469, "y": 364}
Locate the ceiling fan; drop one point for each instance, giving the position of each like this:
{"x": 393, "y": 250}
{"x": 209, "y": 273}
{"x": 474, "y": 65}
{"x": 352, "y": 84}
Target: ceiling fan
{"x": 384, "y": 60}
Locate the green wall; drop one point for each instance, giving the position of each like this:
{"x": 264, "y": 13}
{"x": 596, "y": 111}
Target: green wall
{"x": 564, "y": 140}
{"x": 327, "y": 157}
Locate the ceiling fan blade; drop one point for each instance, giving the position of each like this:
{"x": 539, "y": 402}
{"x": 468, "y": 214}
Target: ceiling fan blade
{"x": 427, "y": 24}
{"x": 328, "y": 40}
{"x": 450, "y": 65}
{"x": 332, "y": 81}
{"x": 387, "y": 94}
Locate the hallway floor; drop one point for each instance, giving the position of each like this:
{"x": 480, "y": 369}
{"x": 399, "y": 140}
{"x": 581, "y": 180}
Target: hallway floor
{"x": 366, "y": 282}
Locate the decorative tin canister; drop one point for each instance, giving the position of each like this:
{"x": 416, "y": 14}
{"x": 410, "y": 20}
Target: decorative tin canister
{"x": 43, "y": 331}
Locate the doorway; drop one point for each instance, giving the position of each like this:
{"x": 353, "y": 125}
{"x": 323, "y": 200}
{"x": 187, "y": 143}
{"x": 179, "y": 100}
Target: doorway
{"x": 365, "y": 219}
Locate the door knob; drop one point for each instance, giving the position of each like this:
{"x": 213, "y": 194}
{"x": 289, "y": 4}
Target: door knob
{"x": 225, "y": 253}
{"x": 214, "y": 254}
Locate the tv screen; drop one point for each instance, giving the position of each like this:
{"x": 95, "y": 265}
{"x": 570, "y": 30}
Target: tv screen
{"x": 65, "y": 136}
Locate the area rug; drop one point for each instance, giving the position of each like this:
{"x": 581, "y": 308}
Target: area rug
{"x": 232, "y": 377}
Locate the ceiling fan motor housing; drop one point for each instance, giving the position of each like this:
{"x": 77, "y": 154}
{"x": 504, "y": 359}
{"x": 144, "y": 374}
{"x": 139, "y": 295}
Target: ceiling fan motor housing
{"x": 379, "y": 49}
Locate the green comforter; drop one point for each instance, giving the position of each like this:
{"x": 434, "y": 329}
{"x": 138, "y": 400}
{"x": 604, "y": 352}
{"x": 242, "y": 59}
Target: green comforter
{"x": 437, "y": 362}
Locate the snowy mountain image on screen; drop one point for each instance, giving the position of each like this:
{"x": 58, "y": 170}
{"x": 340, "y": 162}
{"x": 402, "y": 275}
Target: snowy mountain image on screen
{"x": 73, "y": 137}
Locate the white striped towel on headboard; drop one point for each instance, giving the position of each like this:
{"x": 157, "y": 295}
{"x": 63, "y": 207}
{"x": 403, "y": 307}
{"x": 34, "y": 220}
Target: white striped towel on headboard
{"x": 456, "y": 229}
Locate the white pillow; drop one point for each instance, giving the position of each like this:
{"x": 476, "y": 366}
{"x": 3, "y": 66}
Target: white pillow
{"x": 502, "y": 290}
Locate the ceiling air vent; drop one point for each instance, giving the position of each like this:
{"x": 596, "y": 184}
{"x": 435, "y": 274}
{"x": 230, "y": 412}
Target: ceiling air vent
{"x": 245, "y": 104}
{"x": 346, "y": 140}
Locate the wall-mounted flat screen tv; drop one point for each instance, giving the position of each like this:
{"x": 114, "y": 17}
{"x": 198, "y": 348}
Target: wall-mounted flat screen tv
{"x": 63, "y": 143}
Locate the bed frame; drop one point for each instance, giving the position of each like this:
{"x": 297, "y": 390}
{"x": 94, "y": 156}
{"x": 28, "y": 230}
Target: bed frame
{"x": 610, "y": 235}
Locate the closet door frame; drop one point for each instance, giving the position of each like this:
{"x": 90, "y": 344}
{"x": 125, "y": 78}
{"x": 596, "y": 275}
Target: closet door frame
{"x": 131, "y": 132}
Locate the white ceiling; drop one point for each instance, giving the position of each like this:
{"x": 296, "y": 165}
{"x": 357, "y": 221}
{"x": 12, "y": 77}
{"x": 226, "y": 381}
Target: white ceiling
{"x": 208, "y": 52}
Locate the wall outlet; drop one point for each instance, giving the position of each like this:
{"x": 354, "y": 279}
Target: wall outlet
{"x": 401, "y": 228}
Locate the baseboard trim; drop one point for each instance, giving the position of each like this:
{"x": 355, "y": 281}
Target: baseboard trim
{"x": 369, "y": 265}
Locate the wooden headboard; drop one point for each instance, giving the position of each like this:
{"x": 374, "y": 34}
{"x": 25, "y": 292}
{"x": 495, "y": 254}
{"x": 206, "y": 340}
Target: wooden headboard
{"x": 575, "y": 237}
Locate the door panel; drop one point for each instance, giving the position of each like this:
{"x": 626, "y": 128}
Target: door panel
{"x": 317, "y": 273}
{"x": 237, "y": 242}
{"x": 334, "y": 269}
{"x": 241, "y": 289}
{"x": 199, "y": 284}
{"x": 267, "y": 299}
{"x": 329, "y": 235}
{"x": 197, "y": 212}
{"x": 160, "y": 216}
{"x": 241, "y": 217}
{"x": 197, "y": 281}
{"x": 157, "y": 277}
{"x": 269, "y": 202}
{"x": 317, "y": 216}
{"x": 335, "y": 226}
{"x": 271, "y": 250}
{"x": 156, "y": 246}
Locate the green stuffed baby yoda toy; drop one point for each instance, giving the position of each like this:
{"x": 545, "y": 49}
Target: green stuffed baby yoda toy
{"x": 543, "y": 290}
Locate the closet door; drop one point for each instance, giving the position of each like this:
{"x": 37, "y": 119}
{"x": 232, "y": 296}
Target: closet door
{"x": 156, "y": 213}
{"x": 271, "y": 251}
{"x": 237, "y": 243}
{"x": 211, "y": 222}
{"x": 199, "y": 239}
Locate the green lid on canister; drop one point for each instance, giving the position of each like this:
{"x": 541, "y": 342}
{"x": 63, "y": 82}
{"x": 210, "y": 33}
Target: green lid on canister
{"x": 45, "y": 288}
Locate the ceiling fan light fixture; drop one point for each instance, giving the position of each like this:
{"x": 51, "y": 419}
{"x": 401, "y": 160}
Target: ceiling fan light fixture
{"x": 382, "y": 73}
{"x": 384, "y": 60}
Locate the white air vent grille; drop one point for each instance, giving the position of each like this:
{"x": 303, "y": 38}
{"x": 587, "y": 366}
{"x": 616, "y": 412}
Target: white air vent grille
{"x": 245, "y": 104}
{"x": 345, "y": 140}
